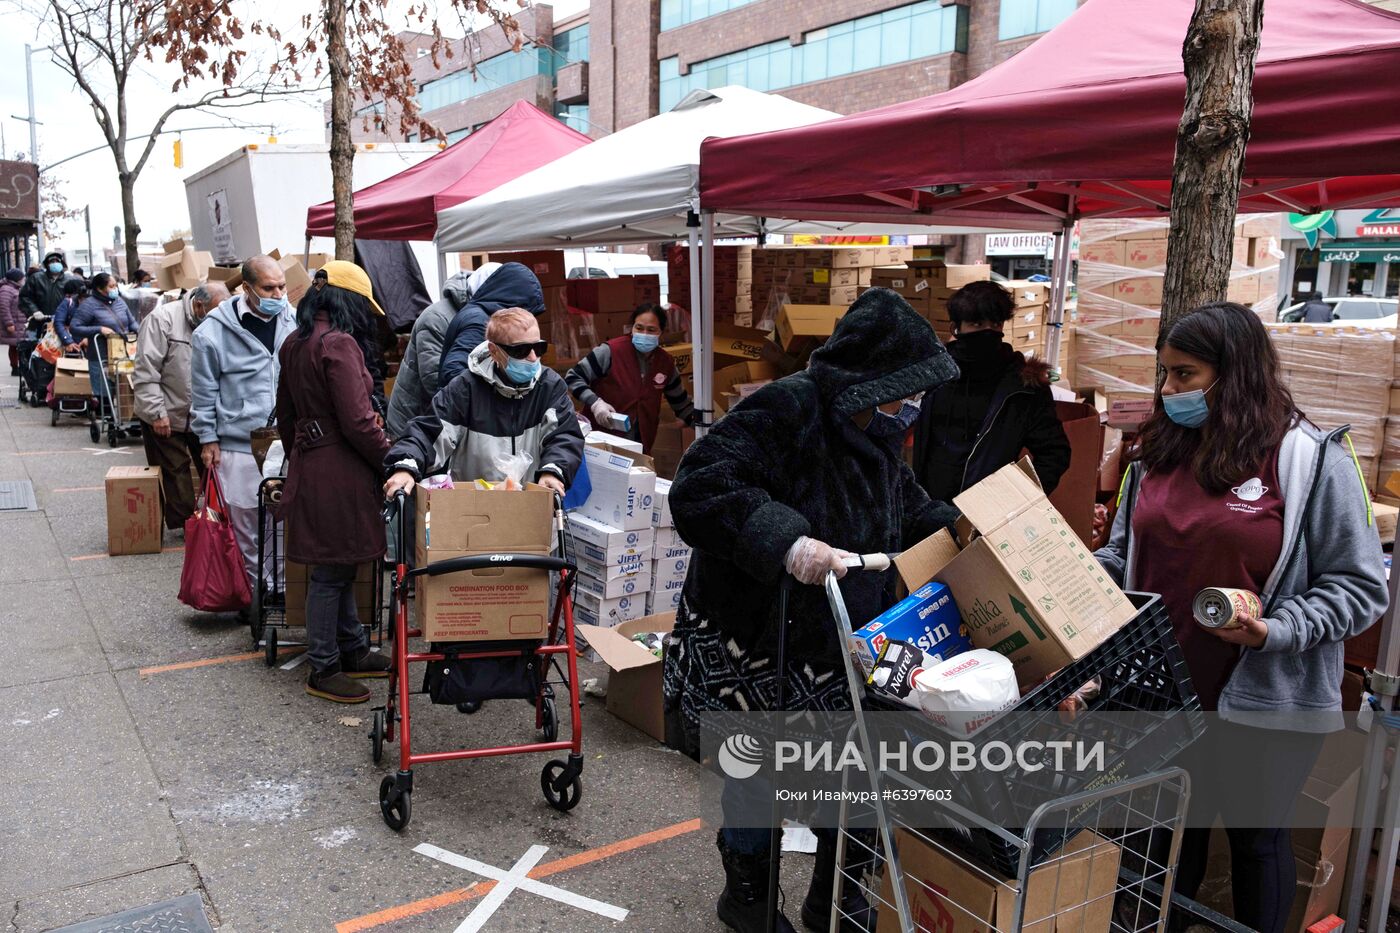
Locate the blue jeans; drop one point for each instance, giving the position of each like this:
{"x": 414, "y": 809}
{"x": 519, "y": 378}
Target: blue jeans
{"x": 332, "y": 623}
{"x": 741, "y": 801}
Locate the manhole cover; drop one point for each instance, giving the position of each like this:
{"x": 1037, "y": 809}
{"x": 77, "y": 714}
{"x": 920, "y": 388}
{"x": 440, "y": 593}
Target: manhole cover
{"x": 17, "y": 495}
{"x": 9, "y": 402}
{"x": 181, "y": 915}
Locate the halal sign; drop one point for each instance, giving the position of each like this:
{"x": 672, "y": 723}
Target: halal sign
{"x": 1384, "y": 222}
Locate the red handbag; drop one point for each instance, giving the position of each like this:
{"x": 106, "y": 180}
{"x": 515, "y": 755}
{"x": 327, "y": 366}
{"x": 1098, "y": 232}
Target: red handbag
{"x": 213, "y": 578}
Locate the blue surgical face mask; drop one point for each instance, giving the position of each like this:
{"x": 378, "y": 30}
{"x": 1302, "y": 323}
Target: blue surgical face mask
{"x": 1188, "y": 409}
{"x": 55, "y": 268}
{"x": 883, "y": 425}
{"x": 271, "y": 307}
{"x": 645, "y": 343}
{"x": 112, "y": 294}
{"x": 522, "y": 372}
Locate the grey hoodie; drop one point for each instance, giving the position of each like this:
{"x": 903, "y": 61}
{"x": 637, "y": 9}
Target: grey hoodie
{"x": 233, "y": 377}
{"x": 417, "y": 380}
{"x": 1329, "y": 584}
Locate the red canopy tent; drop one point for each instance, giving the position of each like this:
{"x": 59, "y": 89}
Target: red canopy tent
{"x": 1083, "y": 123}
{"x": 405, "y": 206}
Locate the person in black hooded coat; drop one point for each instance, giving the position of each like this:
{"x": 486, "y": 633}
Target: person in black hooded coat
{"x": 511, "y": 286}
{"x": 999, "y": 405}
{"x": 804, "y": 466}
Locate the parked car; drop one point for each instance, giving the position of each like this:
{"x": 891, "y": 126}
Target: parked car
{"x": 1357, "y": 311}
{"x": 602, "y": 265}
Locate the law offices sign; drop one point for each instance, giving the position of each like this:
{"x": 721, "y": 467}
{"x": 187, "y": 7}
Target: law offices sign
{"x": 1021, "y": 244}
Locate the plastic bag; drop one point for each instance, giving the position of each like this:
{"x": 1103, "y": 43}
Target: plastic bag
{"x": 512, "y": 468}
{"x": 213, "y": 578}
{"x": 49, "y": 349}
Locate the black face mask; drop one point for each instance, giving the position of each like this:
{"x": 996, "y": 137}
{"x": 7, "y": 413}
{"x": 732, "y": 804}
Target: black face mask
{"x": 980, "y": 344}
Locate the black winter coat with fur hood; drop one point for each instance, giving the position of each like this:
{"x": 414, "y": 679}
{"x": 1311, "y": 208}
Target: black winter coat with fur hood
{"x": 789, "y": 461}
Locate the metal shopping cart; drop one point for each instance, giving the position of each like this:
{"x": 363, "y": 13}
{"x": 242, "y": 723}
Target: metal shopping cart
{"x": 117, "y": 403}
{"x": 1089, "y": 851}
{"x": 279, "y": 598}
{"x": 517, "y": 670}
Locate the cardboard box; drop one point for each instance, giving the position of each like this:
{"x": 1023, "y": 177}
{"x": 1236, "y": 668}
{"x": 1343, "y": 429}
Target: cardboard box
{"x": 598, "y": 438}
{"x": 602, "y": 295}
{"x": 612, "y": 565}
{"x": 495, "y": 602}
{"x": 732, "y": 345}
{"x": 663, "y": 602}
{"x": 1128, "y": 410}
{"x": 183, "y": 268}
{"x": 634, "y": 684}
{"x": 802, "y": 327}
{"x": 1107, "y": 252}
{"x": 1071, "y": 892}
{"x": 298, "y": 279}
{"x": 661, "y": 506}
{"x": 547, "y": 264}
{"x": 1077, "y": 490}
{"x": 1027, "y": 587}
{"x": 591, "y": 578}
{"x": 927, "y": 617}
{"x": 624, "y": 485}
{"x": 1028, "y": 294}
{"x": 942, "y": 275}
{"x": 611, "y": 611}
{"x": 1143, "y": 292}
{"x": 608, "y": 538}
{"x": 71, "y": 378}
{"x": 134, "y": 518}
{"x": 1146, "y": 254}
{"x": 836, "y": 278}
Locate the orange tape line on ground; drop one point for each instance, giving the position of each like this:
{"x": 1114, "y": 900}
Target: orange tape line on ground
{"x": 206, "y": 662}
{"x": 448, "y": 898}
{"x": 45, "y": 453}
{"x": 164, "y": 550}
{"x": 81, "y": 489}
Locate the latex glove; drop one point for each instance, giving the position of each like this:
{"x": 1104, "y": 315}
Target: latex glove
{"x": 602, "y": 413}
{"x": 809, "y": 559}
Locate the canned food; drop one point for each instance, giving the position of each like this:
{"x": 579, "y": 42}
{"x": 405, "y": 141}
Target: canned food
{"x": 1219, "y": 607}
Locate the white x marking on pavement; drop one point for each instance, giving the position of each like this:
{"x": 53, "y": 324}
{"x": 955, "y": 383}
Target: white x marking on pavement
{"x": 509, "y": 881}
{"x": 104, "y": 451}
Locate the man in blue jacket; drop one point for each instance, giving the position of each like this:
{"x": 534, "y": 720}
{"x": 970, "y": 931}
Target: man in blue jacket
{"x": 234, "y": 370}
{"x": 511, "y": 286}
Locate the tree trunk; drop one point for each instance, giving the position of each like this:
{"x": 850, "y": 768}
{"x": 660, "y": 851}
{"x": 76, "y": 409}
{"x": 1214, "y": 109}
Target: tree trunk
{"x": 342, "y": 149}
{"x": 1219, "y": 52}
{"x": 131, "y": 230}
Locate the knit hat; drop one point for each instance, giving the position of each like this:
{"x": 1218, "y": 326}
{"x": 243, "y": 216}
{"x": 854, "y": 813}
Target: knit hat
{"x": 14, "y": 275}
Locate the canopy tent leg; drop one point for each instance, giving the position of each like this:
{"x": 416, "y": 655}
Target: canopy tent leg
{"x": 306, "y": 253}
{"x": 442, "y": 270}
{"x": 1059, "y": 290}
{"x": 704, "y": 351}
{"x": 693, "y": 230}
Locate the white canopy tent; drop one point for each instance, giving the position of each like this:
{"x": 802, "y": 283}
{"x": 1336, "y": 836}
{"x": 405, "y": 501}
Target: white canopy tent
{"x": 642, "y": 185}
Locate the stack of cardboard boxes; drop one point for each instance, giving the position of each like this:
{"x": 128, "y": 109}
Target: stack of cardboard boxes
{"x": 670, "y": 556}
{"x": 1121, "y": 268}
{"x": 821, "y": 276}
{"x": 927, "y": 284}
{"x": 570, "y": 336}
{"x": 612, "y": 533}
{"x": 734, "y": 283}
{"x": 612, "y": 301}
{"x": 1388, "y": 482}
{"x": 182, "y": 266}
{"x": 1341, "y": 376}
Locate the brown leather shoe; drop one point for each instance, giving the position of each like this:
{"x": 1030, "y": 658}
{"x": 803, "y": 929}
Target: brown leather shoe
{"x": 335, "y": 686}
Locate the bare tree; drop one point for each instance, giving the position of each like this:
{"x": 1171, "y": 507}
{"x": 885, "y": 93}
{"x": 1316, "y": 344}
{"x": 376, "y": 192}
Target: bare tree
{"x": 355, "y": 43}
{"x": 1221, "y": 45}
{"x": 102, "y": 45}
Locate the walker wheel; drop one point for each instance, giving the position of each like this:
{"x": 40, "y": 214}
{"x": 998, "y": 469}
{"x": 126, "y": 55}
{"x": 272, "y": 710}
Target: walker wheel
{"x": 376, "y": 736}
{"x": 549, "y": 727}
{"x": 562, "y": 799}
{"x": 395, "y": 806}
{"x": 469, "y": 707}
{"x": 111, "y": 437}
{"x": 53, "y": 419}
{"x": 271, "y": 642}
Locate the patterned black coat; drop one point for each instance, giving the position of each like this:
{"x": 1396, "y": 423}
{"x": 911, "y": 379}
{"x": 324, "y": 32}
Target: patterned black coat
{"x": 790, "y": 461}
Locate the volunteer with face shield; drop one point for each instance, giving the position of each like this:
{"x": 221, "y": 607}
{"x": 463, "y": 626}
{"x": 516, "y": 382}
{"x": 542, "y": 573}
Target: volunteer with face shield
{"x": 627, "y": 376}
{"x": 793, "y": 478}
{"x": 1231, "y": 486}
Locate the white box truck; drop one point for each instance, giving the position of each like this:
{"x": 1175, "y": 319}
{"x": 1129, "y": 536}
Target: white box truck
{"x": 255, "y": 199}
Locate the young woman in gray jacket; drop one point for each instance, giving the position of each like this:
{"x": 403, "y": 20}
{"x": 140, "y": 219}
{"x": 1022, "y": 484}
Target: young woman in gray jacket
{"x": 1231, "y": 486}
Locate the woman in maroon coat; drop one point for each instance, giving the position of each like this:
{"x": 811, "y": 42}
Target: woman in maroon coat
{"x": 331, "y": 504}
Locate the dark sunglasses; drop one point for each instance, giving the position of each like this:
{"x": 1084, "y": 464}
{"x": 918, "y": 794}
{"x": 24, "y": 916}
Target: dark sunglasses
{"x": 518, "y": 351}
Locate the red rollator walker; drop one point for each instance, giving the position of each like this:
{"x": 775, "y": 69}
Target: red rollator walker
{"x": 479, "y": 671}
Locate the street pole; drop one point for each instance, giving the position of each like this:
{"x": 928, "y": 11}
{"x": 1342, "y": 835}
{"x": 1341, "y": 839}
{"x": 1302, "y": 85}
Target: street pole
{"x": 87, "y": 222}
{"x": 34, "y": 140}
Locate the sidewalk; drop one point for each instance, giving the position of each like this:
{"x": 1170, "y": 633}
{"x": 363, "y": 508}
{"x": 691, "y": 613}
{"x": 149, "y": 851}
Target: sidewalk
{"x": 133, "y": 777}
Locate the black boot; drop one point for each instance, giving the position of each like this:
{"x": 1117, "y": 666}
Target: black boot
{"x": 857, "y": 916}
{"x": 743, "y": 905}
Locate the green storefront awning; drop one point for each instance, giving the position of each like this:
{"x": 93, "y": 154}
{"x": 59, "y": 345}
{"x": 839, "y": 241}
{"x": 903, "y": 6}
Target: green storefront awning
{"x": 1360, "y": 251}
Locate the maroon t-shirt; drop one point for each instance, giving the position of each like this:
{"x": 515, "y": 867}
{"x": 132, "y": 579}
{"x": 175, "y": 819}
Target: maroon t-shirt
{"x": 1188, "y": 539}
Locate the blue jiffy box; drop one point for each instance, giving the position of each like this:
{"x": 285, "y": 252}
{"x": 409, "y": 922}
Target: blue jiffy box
{"x": 927, "y": 617}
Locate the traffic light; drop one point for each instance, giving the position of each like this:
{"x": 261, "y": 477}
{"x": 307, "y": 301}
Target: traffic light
{"x": 179, "y": 153}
